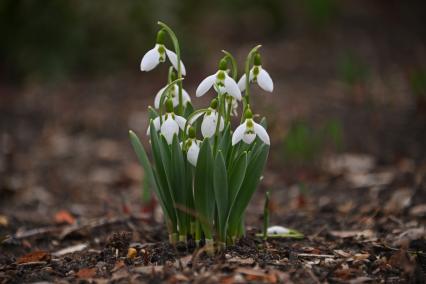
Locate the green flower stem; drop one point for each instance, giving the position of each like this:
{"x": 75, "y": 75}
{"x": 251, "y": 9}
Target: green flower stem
{"x": 219, "y": 111}
{"x": 228, "y": 115}
{"x": 177, "y": 50}
{"x": 249, "y": 62}
{"x": 233, "y": 62}
{"x": 163, "y": 97}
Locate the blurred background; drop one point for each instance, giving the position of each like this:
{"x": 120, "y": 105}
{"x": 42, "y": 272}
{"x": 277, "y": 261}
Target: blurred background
{"x": 350, "y": 89}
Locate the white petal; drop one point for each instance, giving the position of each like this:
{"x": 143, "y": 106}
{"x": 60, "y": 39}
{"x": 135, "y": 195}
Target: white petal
{"x": 265, "y": 81}
{"x": 158, "y": 98}
{"x": 277, "y": 230}
{"x": 185, "y": 97}
{"x": 192, "y": 154}
{"x": 238, "y": 134}
{"x": 169, "y": 129}
{"x": 261, "y": 132}
{"x": 173, "y": 59}
{"x": 150, "y": 59}
{"x": 242, "y": 83}
{"x": 156, "y": 123}
{"x": 195, "y": 117}
{"x": 222, "y": 123}
{"x": 249, "y": 137}
{"x": 232, "y": 88}
{"x": 208, "y": 126}
{"x": 205, "y": 85}
{"x": 180, "y": 121}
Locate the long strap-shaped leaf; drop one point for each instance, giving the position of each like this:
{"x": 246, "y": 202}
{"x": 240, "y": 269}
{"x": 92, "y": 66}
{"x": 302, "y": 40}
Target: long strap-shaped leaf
{"x": 220, "y": 184}
{"x": 248, "y": 187}
{"x": 179, "y": 190}
{"x": 204, "y": 199}
{"x": 162, "y": 161}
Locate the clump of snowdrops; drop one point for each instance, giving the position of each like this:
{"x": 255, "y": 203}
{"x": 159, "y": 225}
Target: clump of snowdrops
{"x": 204, "y": 182}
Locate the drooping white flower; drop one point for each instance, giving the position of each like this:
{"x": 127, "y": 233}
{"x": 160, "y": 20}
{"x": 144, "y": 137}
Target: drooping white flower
{"x": 248, "y": 131}
{"x": 174, "y": 95}
{"x": 258, "y": 75}
{"x": 210, "y": 120}
{"x": 158, "y": 54}
{"x": 171, "y": 123}
{"x": 192, "y": 147}
{"x": 222, "y": 83}
{"x": 209, "y": 123}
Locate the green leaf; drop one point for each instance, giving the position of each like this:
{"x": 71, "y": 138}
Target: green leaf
{"x": 203, "y": 188}
{"x": 143, "y": 159}
{"x": 161, "y": 165}
{"x": 220, "y": 184}
{"x": 236, "y": 176}
{"x": 179, "y": 190}
{"x": 248, "y": 187}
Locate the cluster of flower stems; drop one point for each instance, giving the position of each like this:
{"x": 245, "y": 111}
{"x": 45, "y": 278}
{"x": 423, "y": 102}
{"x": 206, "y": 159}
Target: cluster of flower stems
{"x": 204, "y": 186}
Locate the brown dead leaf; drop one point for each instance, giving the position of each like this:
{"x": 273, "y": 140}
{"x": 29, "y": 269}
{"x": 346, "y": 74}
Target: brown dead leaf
{"x": 361, "y": 256}
{"x": 342, "y": 253}
{"x": 352, "y": 234}
{"x": 64, "y": 216}
{"x": 86, "y": 273}
{"x": 131, "y": 253}
{"x": 178, "y": 278}
{"x": 34, "y": 257}
{"x": 4, "y": 221}
{"x": 418, "y": 210}
{"x": 241, "y": 261}
{"x": 257, "y": 275}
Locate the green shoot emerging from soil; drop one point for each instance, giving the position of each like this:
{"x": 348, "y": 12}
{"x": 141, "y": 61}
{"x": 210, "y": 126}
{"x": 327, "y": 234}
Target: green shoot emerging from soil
{"x": 204, "y": 185}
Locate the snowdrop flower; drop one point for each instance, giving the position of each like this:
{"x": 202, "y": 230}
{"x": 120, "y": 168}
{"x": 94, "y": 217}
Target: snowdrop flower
{"x": 248, "y": 131}
{"x": 221, "y": 81}
{"x": 158, "y": 54}
{"x": 209, "y": 123}
{"x": 259, "y": 75}
{"x": 174, "y": 96}
{"x": 171, "y": 123}
{"x": 192, "y": 147}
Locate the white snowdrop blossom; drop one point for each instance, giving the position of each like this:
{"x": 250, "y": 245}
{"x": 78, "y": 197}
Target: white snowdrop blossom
{"x": 193, "y": 146}
{"x": 277, "y": 230}
{"x": 257, "y": 75}
{"x": 222, "y": 83}
{"x": 158, "y": 54}
{"x": 248, "y": 131}
{"x": 174, "y": 92}
{"x": 209, "y": 123}
{"x": 170, "y": 127}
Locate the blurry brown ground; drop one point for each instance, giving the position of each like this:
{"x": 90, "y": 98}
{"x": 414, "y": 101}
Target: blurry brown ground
{"x": 64, "y": 143}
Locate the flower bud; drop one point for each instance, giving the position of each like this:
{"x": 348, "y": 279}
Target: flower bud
{"x": 160, "y": 36}
{"x": 213, "y": 104}
{"x": 257, "y": 59}
{"x": 248, "y": 114}
{"x": 169, "y": 105}
{"x": 223, "y": 64}
{"x": 191, "y": 132}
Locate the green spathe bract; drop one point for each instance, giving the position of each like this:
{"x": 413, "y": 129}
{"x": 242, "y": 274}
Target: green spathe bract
{"x": 207, "y": 197}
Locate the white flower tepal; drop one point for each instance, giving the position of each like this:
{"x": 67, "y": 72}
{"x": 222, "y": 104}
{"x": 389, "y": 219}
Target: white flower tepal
{"x": 257, "y": 74}
{"x": 158, "y": 54}
{"x": 221, "y": 81}
{"x": 171, "y": 123}
{"x": 248, "y": 131}
{"x": 174, "y": 92}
